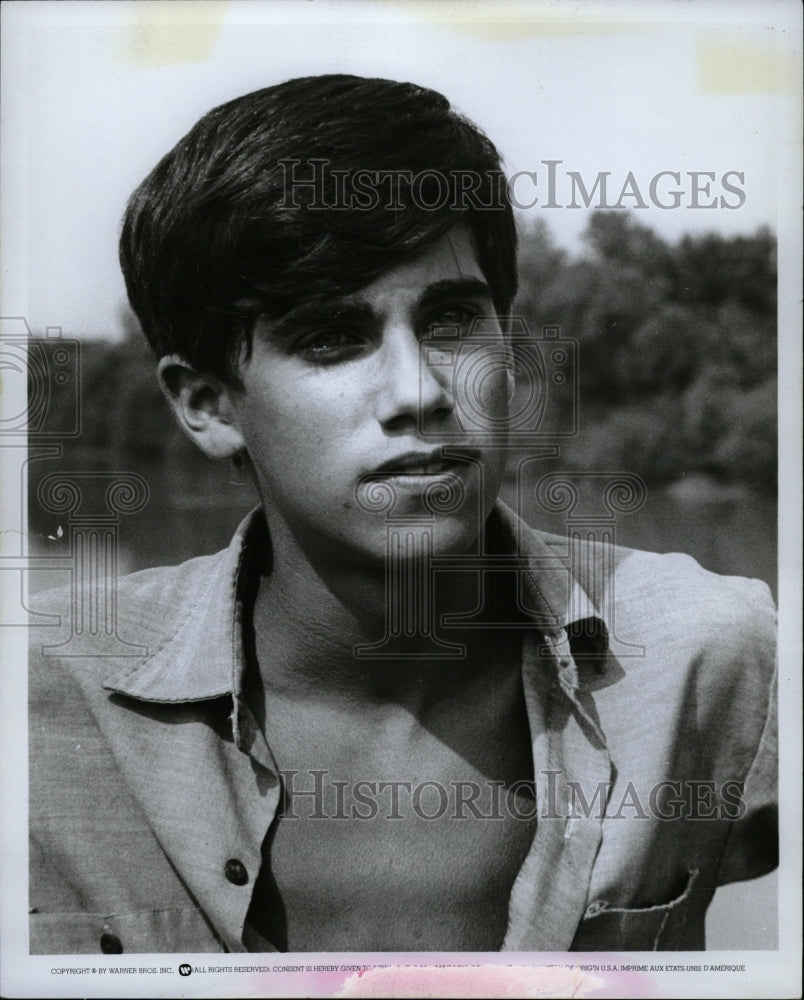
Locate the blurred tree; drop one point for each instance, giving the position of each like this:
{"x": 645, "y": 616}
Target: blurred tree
{"x": 711, "y": 269}
{"x": 677, "y": 346}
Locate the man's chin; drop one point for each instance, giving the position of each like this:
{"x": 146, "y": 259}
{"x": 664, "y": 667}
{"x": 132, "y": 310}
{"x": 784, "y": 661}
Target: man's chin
{"x": 411, "y": 538}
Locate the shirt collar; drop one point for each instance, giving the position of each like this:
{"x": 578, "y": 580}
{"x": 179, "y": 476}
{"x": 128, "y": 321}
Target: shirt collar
{"x": 202, "y": 655}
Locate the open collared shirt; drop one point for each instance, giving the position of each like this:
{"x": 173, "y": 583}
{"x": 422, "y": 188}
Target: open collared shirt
{"x": 649, "y": 687}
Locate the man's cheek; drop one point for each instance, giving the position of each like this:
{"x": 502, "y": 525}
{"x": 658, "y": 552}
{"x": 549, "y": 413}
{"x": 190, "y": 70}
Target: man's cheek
{"x": 482, "y": 400}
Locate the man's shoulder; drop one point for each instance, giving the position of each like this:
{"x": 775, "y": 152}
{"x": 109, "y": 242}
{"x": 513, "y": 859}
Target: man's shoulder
{"x": 674, "y": 628}
{"x": 675, "y": 594}
{"x": 663, "y": 589}
{"x": 98, "y": 627}
{"x": 685, "y": 636}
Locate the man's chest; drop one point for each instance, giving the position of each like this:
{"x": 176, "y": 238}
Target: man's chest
{"x": 413, "y": 843}
{"x": 409, "y": 866}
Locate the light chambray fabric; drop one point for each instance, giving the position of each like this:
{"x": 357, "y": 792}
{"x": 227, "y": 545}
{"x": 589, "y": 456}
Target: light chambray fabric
{"x": 148, "y": 775}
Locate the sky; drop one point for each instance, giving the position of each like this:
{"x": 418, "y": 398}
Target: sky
{"x": 93, "y": 94}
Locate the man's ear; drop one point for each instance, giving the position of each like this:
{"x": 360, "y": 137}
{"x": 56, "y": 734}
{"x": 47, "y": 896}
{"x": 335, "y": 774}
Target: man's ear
{"x": 203, "y": 406}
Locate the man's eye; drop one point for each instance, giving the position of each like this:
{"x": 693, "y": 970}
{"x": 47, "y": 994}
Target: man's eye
{"x": 453, "y": 316}
{"x": 331, "y": 346}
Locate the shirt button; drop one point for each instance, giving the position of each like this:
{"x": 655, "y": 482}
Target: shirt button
{"x": 111, "y": 944}
{"x": 236, "y": 872}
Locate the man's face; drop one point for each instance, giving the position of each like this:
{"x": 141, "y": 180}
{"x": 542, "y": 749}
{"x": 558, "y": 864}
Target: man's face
{"x": 346, "y": 408}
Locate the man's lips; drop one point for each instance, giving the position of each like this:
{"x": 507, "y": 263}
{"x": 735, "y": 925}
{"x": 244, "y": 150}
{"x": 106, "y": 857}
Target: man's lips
{"x": 421, "y": 463}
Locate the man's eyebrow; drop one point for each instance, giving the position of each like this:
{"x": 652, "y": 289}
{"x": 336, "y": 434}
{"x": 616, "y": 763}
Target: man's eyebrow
{"x": 356, "y": 309}
{"x": 452, "y": 288}
{"x": 324, "y": 310}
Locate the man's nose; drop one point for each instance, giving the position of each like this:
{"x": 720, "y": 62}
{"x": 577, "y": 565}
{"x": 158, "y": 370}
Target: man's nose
{"x": 412, "y": 388}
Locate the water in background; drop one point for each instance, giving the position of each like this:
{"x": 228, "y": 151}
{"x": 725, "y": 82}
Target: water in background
{"x": 195, "y": 506}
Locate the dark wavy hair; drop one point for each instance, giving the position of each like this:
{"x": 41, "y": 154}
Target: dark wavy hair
{"x": 213, "y": 239}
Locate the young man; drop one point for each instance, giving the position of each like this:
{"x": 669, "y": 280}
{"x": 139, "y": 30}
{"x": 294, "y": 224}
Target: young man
{"x": 389, "y": 716}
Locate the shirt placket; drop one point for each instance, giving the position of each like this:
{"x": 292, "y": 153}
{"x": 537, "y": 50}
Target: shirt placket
{"x": 256, "y": 791}
{"x": 550, "y": 894}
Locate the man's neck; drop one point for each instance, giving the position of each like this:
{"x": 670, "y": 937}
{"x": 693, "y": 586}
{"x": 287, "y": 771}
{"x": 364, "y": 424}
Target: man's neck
{"x": 310, "y": 618}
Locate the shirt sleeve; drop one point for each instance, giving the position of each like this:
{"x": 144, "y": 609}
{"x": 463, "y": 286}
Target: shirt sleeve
{"x": 752, "y": 847}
